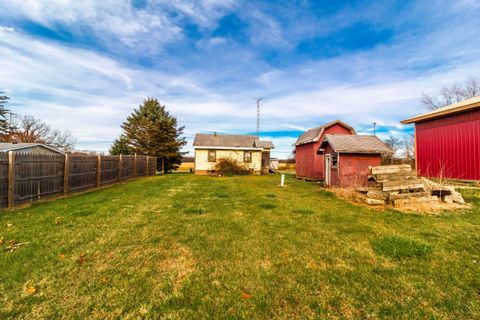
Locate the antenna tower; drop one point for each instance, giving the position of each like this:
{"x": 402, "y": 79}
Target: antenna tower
{"x": 258, "y": 116}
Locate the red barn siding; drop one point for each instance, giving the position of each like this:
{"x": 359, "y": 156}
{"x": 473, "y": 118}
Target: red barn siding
{"x": 309, "y": 164}
{"x": 449, "y": 146}
{"x": 353, "y": 168}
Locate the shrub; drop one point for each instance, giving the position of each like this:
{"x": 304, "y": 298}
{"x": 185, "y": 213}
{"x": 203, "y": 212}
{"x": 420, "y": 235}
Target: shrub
{"x": 230, "y": 167}
{"x": 397, "y": 247}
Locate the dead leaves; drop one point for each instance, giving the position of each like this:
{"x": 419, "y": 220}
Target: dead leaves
{"x": 246, "y": 295}
{"x": 30, "y": 289}
{"x": 12, "y": 245}
{"x": 82, "y": 259}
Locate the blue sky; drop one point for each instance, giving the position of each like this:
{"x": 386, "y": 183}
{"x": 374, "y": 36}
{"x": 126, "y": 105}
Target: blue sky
{"x": 83, "y": 66}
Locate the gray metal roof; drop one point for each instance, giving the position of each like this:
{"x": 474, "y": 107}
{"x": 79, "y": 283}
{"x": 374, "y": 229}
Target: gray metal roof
{"x": 230, "y": 141}
{"x": 8, "y": 146}
{"x": 314, "y": 134}
{"x": 345, "y": 143}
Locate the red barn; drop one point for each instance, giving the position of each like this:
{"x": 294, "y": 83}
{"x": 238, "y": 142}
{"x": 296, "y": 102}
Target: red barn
{"x": 309, "y": 164}
{"x": 447, "y": 141}
{"x": 347, "y": 158}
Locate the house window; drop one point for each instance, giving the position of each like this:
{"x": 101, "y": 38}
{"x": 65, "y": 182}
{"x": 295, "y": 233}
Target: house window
{"x": 247, "y": 156}
{"x": 212, "y": 156}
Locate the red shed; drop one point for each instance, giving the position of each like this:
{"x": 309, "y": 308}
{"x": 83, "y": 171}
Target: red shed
{"x": 347, "y": 158}
{"x": 447, "y": 141}
{"x": 310, "y": 164}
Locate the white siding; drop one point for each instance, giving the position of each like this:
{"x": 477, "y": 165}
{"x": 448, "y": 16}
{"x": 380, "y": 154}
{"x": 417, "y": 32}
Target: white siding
{"x": 202, "y": 164}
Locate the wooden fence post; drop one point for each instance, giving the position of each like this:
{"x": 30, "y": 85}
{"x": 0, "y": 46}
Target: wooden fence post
{"x": 146, "y": 167}
{"x": 11, "y": 180}
{"x": 135, "y": 166}
{"x": 66, "y": 169}
{"x": 120, "y": 165}
{"x": 99, "y": 171}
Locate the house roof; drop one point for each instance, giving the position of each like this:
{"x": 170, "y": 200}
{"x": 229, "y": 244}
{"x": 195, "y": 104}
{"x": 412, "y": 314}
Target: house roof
{"x": 314, "y": 134}
{"x": 231, "y": 141}
{"x": 345, "y": 143}
{"x": 466, "y": 105}
{"x": 8, "y": 146}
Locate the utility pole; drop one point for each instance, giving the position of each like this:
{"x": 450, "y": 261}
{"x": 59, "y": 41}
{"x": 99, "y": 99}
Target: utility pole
{"x": 374, "y": 128}
{"x": 258, "y": 116}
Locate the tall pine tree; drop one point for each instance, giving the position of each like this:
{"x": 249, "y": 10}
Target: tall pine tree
{"x": 151, "y": 130}
{"x": 120, "y": 146}
{"x": 4, "y": 130}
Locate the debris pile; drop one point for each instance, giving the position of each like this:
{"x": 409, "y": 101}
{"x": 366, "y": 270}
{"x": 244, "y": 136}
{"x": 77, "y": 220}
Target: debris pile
{"x": 399, "y": 186}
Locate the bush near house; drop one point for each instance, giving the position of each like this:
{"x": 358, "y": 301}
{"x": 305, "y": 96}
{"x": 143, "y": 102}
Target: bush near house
{"x": 230, "y": 167}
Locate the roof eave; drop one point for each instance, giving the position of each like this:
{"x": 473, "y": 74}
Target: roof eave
{"x": 429, "y": 116}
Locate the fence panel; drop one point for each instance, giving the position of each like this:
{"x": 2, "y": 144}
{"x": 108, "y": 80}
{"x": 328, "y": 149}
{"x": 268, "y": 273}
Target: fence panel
{"x": 141, "y": 166}
{"x": 3, "y": 180}
{"x": 109, "y": 172}
{"x": 152, "y": 166}
{"x": 82, "y": 173}
{"x": 128, "y": 165}
{"x": 37, "y": 176}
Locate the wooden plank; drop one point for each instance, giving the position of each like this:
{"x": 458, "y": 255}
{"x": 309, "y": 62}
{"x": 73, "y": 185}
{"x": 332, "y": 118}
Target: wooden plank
{"x": 99, "y": 171}
{"x": 147, "y": 169}
{"x": 135, "y": 166}
{"x": 408, "y": 195}
{"x": 120, "y": 164}
{"x": 11, "y": 179}
{"x": 66, "y": 169}
{"x": 391, "y": 169}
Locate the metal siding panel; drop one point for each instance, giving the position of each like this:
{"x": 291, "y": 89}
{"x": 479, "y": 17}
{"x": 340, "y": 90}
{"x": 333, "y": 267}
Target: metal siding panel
{"x": 450, "y": 146}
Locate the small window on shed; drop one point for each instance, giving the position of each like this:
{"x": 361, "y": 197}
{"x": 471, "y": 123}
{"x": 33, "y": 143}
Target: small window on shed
{"x": 321, "y": 151}
{"x": 335, "y": 160}
{"x": 212, "y": 156}
{"x": 247, "y": 156}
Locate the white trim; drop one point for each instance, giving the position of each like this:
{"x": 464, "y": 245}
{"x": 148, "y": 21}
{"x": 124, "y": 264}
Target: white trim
{"x": 228, "y": 148}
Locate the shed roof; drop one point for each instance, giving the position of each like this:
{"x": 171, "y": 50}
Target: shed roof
{"x": 9, "y": 146}
{"x": 230, "y": 141}
{"x": 314, "y": 134}
{"x": 345, "y": 143}
{"x": 466, "y": 105}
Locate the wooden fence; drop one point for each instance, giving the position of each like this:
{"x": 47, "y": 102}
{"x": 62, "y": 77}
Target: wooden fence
{"x": 26, "y": 178}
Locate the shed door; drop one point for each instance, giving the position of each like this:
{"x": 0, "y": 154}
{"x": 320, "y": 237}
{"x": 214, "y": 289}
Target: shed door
{"x": 328, "y": 171}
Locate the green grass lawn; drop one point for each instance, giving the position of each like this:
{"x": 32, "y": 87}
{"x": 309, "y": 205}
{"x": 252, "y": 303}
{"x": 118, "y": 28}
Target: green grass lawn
{"x": 190, "y": 247}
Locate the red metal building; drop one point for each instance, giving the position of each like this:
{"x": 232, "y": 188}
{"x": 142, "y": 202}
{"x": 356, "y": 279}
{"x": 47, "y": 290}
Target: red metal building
{"x": 447, "y": 141}
{"x": 309, "y": 163}
{"x": 348, "y": 158}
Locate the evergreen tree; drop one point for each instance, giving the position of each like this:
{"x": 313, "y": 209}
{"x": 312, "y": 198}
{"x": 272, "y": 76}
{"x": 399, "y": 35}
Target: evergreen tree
{"x": 3, "y": 117}
{"x": 151, "y": 130}
{"x": 120, "y": 146}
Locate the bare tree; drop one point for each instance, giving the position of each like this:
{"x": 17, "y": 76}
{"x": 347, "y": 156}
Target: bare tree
{"x": 409, "y": 148}
{"x": 395, "y": 144}
{"x": 448, "y": 95}
{"x": 33, "y": 130}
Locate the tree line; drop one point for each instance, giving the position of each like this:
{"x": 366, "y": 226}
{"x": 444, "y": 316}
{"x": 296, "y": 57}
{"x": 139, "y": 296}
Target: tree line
{"x": 150, "y": 130}
{"x": 28, "y": 129}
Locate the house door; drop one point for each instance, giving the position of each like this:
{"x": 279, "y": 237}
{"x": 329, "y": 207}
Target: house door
{"x": 328, "y": 171}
